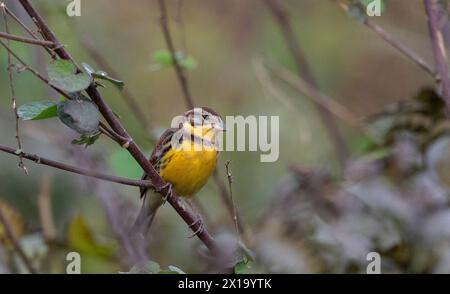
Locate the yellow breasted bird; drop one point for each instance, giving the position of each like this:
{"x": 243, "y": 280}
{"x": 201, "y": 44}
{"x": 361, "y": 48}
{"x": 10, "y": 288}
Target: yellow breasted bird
{"x": 185, "y": 157}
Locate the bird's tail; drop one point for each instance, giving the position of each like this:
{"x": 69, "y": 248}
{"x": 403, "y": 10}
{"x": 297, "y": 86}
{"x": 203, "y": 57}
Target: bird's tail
{"x": 150, "y": 204}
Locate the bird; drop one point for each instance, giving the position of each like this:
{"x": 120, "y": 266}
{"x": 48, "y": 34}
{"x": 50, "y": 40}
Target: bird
{"x": 185, "y": 156}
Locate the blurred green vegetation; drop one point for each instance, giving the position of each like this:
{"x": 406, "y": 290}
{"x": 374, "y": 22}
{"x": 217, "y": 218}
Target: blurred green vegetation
{"x": 222, "y": 41}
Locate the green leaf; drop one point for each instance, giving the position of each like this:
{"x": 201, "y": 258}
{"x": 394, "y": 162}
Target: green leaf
{"x": 81, "y": 115}
{"x": 37, "y": 110}
{"x": 103, "y": 76}
{"x": 188, "y": 63}
{"x": 62, "y": 75}
{"x": 243, "y": 266}
{"x": 86, "y": 140}
{"x": 163, "y": 58}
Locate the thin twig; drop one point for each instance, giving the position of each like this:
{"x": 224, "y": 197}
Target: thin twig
{"x": 181, "y": 26}
{"x": 108, "y": 132}
{"x": 304, "y": 70}
{"x": 179, "y": 70}
{"x": 26, "y": 28}
{"x": 84, "y": 172}
{"x": 123, "y": 141}
{"x": 408, "y": 52}
{"x": 225, "y": 196}
{"x": 439, "y": 50}
{"x": 26, "y": 40}
{"x": 388, "y": 38}
{"x": 16, "y": 243}
{"x": 230, "y": 187}
{"x": 134, "y": 150}
{"x": 13, "y": 94}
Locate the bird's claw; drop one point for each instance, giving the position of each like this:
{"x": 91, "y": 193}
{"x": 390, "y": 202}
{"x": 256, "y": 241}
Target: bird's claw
{"x": 166, "y": 191}
{"x": 200, "y": 228}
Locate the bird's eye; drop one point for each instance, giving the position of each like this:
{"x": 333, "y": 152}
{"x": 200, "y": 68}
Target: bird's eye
{"x": 206, "y": 117}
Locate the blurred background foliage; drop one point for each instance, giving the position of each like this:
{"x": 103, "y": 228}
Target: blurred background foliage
{"x": 304, "y": 213}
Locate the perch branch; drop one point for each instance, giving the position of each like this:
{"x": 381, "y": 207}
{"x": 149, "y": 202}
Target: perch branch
{"x": 195, "y": 224}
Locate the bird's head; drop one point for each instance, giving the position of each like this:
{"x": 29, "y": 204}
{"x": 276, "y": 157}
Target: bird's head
{"x": 203, "y": 122}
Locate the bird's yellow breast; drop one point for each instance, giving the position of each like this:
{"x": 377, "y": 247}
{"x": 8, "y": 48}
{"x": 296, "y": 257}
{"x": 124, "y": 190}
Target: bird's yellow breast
{"x": 188, "y": 170}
